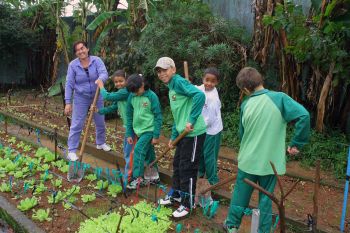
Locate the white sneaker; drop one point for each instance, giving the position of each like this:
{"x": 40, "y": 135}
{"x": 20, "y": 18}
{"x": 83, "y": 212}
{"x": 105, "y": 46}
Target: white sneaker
{"x": 104, "y": 147}
{"x": 72, "y": 156}
{"x": 169, "y": 200}
{"x": 182, "y": 211}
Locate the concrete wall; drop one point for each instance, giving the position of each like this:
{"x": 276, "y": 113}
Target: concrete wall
{"x": 242, "y": 10}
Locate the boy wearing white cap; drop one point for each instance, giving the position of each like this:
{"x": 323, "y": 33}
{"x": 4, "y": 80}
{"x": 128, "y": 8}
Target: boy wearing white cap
{"x": 186, "y": 103}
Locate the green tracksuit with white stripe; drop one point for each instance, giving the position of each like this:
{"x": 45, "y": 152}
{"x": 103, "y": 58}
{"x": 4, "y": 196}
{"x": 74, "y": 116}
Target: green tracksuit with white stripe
{"x": 144, "y": 116}
{"x": 263, "y": 121}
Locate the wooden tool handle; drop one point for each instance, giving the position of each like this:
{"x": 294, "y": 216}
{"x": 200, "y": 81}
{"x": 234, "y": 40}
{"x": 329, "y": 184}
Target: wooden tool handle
{"x": 86, "y": 132}
{"x": 174, "y": 143}
{"x": 186, "y": 71}
{"x": 215, "y": 186}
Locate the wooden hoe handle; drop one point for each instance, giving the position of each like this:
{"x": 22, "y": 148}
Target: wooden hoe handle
{"x": 174, "y": 143}
{"x": 87, "y": 127}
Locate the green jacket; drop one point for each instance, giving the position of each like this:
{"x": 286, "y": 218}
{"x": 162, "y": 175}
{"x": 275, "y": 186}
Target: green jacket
{"x": 186, "y": 103}
{"x": 143, "y": 114}
{"x": 263, "y": 121}
{"x": 119, "y": 99}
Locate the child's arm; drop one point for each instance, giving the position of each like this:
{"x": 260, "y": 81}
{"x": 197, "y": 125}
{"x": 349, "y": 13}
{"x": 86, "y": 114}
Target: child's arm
{"x": 291, "y": 111}
{"x": 129, "y": 119}
{"x": 198, "y": 98}
{"x": 155, "y": 107}
{"x": 119, "y": 95}
{"x": 109, "y": 109}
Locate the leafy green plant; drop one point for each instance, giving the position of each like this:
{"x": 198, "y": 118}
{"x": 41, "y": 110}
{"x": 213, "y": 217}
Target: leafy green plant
{"x": 19, "y": 175}
{"x": 43, "y": 167}
{"x": 41, "y": 215}
{"x": 45, "y": 153}
{"x": 57, "y": 183}
{"x": 75, "y": 189}
{"x": 27, "y": 148}
{"x": 46, "y": 176}
{"x": 101, "y": 185}
{"x": 5, "y": 187}
{"x": 88, "y": 198}
{"x": 114, "y": 189}
{"x": 39, "y": 189}
{"x": 91, "y": 177}
{"x": 27, "y": 204}
{"x": 12, "y": 140}
{"x": 64, "y": 168}
{"x": 59, "y": 197}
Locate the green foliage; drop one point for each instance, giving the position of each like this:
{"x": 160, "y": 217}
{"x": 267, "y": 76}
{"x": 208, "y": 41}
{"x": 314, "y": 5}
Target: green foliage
{"x": 330, "y": 148}
{"x": 27, "y": 204}
{"x": 59, "y": 197}
{"x": 114, "y": 189}
{"x": 41, "y": 215}
{"x": 88, "y": 198}
{"x": 91, "y": 177}
{"x": 230, "y": 134}
{"x": 320, "y": 46}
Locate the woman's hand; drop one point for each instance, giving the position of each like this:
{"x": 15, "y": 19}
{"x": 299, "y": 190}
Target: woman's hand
{"x": 99, "y": 83}
{"x": 68, "y": 109}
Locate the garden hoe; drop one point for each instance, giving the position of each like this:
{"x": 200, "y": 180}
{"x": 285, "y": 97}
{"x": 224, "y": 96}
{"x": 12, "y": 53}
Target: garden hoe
{"x": 203, "y": 191}
{"x": 150, "y": 170}
{"x": 76, "y": 170}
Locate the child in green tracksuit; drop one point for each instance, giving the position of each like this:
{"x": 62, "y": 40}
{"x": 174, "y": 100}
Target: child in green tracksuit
{"x": 212, "y": 117}
{"x": 186, "y": 103}
{"x": 119, "y": 99}
{"x": 263, "y": 120}
{"x": 144, "y": 116}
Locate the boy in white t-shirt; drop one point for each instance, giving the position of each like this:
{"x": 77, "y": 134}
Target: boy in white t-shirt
{"x": 212, "y": 117}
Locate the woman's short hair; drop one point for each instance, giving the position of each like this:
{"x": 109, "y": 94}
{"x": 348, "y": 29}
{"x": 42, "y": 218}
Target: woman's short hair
{"x": 249, "y": 78}
{"x": 79, "y": 42}
{"x": 135, "y": 81}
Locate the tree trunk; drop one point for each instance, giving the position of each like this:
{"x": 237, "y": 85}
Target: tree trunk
{"x": 321, "y": 106}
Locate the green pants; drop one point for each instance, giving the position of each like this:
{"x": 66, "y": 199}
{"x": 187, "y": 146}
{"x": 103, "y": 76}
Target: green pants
{"x": 241, "y": 197}
{"x": 143, "y": 152}
{"x": 209, "y": 161}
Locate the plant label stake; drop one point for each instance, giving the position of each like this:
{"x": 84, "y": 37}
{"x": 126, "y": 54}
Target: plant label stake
{"x": 64, "y": 103}
{"x": 76, "y": 177}
{"x": 151, "y": 171}
{"x": 346, "y": 191}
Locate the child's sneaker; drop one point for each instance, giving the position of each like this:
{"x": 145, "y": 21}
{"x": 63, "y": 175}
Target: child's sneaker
{"x": 169, "y": 200}
{"x": 181, "y": 212}
{"x": 134, "y": 183}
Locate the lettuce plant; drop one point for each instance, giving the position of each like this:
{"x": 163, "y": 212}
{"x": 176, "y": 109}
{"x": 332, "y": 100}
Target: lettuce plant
{"x": 59, "y": 197}
{"x": 57, "y": 183}
{"x": 44, "y": 153}
{"x": 88, "y": 198}
{"x": 41, "y": 215}
{"x": 91, "y": 177}
{"x": 5, "y": 187}
{"x": 39, "y": 189}
{"x": 101, "y": 185}
{"x": 27, "y": 204}
{"x": 114, "y": 189}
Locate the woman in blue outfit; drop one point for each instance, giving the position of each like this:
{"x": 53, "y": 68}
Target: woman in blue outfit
{"x": 80, "y": 87}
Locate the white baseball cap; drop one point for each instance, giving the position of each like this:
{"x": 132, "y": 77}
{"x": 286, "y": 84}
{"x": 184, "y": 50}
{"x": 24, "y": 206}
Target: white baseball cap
{"x": 165, "y": 63}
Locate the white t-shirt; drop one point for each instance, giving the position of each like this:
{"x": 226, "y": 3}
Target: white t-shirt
{"x": 212, "y": 111}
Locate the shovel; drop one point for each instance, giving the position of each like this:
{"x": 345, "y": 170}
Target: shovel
{"x": 151, "y": 171}
{"x": 76, "y": 170}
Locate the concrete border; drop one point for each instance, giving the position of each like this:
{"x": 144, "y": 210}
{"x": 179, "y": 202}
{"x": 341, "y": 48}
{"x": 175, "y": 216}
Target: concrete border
{"x": 16, "y": 219}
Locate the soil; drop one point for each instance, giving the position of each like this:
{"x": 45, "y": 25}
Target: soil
{"x": 298, "y": 204}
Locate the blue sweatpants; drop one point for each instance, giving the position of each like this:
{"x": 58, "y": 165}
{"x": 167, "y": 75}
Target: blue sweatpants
{"x": 81, "y": 105}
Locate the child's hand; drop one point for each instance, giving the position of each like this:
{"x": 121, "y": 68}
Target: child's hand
{"x": 99, "y": 83}
{"x": 293, "y": 150}
{"x": 129, "y": 139}
{"x": 170, "y": 144}
{"x": 155, "y": 141}
{"x": 188, "y": 127}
